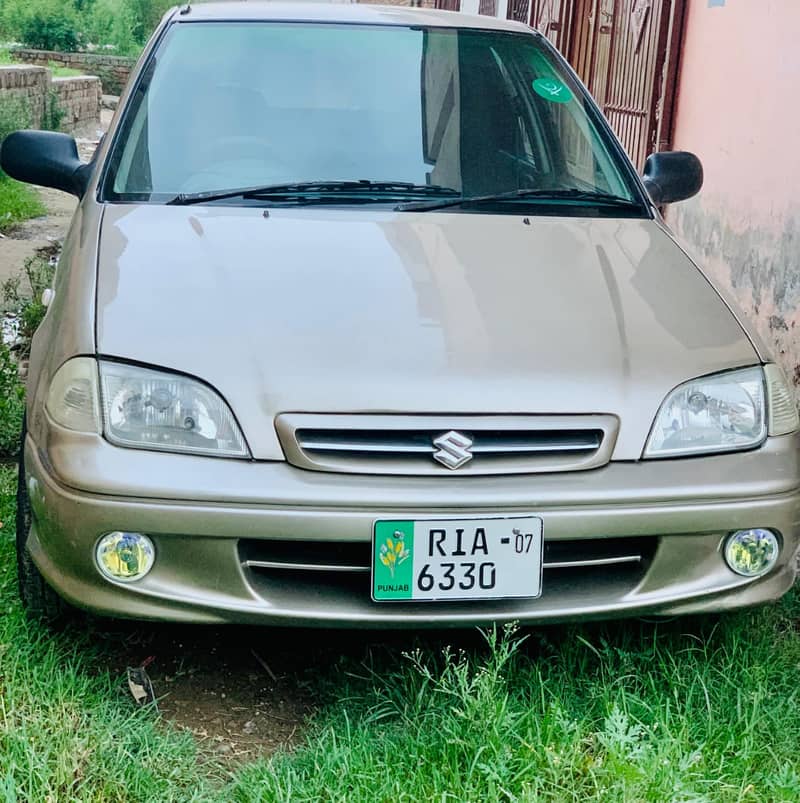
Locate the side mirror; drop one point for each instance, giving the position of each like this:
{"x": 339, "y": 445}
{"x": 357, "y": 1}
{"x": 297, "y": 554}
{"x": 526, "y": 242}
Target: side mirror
{"x": 672, "y": 176}
{"x": 45, "y": 158}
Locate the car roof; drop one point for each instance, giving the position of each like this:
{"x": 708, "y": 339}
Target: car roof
{"x": 333, "y": 12}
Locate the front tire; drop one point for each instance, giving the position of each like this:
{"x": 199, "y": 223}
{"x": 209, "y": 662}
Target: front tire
{"x": 38, "y": 598}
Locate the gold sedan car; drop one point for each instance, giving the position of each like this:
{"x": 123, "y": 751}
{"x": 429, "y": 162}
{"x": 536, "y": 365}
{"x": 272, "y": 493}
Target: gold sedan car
{"x": 366, "y": 319}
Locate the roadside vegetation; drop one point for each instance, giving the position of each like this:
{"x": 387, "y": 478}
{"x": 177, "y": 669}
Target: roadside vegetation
{"x": 120, "y": 27}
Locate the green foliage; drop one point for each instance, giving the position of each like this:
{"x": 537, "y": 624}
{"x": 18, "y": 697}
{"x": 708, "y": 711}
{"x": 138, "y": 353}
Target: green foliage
{"x": 12, "y": 404}
{"x": 49, "y": 25}
{"x": 145, "y": 15}
{"x": 27, "y": 306}
{"x": 125, "y": 25}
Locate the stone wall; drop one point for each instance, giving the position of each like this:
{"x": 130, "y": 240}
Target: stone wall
{"x": 113, "y": 71}
{"x": 78, "y": 98}
{"x": 29, "y": 85}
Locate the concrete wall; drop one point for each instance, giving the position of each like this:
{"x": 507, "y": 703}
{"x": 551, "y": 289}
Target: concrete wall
{"x": 113, "y": 71}
{"x": 737, "y": 109}
{"x": 78, "y": 97}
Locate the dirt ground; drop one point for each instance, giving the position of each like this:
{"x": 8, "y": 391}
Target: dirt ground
{"x": 245, "y": 692}
{"x": 242, "y": 692}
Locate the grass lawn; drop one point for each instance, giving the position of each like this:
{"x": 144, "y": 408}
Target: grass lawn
{"x": 18, "y": 202}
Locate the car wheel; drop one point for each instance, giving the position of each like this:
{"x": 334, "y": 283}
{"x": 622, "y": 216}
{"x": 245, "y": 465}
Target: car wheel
{"x": 38, "y": 599}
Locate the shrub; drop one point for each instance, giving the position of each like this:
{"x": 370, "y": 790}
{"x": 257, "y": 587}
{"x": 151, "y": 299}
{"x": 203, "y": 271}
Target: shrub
{"x": 67, "y": 24}
{"x": 145, "y": 15}
{"x": 111, "y": 22}
{"x": 50, "y": 25}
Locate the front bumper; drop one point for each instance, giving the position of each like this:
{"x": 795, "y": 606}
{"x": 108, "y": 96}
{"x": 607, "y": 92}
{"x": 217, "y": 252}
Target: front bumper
{"x": 203, "y": 514}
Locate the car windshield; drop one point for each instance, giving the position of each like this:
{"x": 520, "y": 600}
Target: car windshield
{"x": 388, "y": 112}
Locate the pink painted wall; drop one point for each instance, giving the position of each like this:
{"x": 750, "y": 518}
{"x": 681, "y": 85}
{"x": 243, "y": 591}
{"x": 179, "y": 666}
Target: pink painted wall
{"x": 738, "y": 108}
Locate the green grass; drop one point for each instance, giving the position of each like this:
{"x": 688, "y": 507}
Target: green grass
{"x": 18, "y": 202}
{"x": 692, "y": 710}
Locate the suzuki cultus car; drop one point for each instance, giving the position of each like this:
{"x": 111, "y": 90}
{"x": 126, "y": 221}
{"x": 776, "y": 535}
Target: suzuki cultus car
{"x": 366, "y": 319}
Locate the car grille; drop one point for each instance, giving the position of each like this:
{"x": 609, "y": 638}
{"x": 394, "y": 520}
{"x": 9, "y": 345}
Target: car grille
{"x": 390, "y": 444}
{"x": 332, "y": 559}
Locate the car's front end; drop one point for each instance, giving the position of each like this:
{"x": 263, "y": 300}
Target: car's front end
{"x": 470, "y": 379}
{"x": 269, "y": 513}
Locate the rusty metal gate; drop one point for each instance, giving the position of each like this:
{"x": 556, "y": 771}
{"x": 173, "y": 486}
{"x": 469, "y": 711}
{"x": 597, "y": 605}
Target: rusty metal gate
{"x": 626, "y": 52}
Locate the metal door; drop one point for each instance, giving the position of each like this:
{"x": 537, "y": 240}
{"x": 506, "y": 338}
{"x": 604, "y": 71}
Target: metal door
{"x": 626, "y": 53}
{"x": 518, "y": 10}
{"x": 554, "y": 19}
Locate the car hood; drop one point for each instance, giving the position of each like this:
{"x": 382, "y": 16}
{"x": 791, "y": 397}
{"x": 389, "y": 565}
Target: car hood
{"x": 320, "y": 310}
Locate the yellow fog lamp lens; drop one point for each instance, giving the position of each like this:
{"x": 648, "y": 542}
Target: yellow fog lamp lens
{"x": 125, "y": 557}
{"x": 751, "y": 553}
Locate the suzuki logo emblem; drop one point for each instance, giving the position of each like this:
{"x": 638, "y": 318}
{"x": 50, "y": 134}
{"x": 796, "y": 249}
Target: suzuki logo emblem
{"x": 454, "y": 449}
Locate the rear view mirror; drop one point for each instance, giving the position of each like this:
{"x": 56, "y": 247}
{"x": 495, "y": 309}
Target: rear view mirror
{"x": 672, "y": 176}
{"x": 45, "y": 158}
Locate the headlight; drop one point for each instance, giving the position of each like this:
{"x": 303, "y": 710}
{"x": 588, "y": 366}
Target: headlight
{"x": 143, "y": 409}
{"x": 158, "y": 410}
{"x": 719, "y": 413}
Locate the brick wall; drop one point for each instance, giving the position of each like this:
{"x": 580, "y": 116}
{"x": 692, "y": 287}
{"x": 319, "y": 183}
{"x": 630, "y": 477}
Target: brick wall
{"x": 79, "y": 97}
{"x": 29, "y": 84}
{"x": 113, "y": 71}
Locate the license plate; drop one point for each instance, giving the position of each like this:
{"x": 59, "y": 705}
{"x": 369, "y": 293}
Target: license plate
{"x": 457, "y": 559}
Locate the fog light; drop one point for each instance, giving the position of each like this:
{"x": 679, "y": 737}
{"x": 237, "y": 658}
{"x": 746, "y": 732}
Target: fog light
{"x": 125, "y": 556}
{"x": 751, "y": 553}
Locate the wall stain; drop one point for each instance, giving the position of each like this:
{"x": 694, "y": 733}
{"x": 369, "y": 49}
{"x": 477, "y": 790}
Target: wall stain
{"x": 757, "y": 266}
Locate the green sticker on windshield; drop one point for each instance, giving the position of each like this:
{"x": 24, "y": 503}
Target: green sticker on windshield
{"x": 552, "y": 89}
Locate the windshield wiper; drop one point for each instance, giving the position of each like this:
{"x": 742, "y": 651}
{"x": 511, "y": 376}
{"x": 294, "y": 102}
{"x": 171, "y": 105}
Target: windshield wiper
{"x": 539, "y": 194}
{"x": 315, "y": 188}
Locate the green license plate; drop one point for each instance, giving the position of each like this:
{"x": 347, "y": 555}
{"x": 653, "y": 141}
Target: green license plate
{"x": 457, "y": 559}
